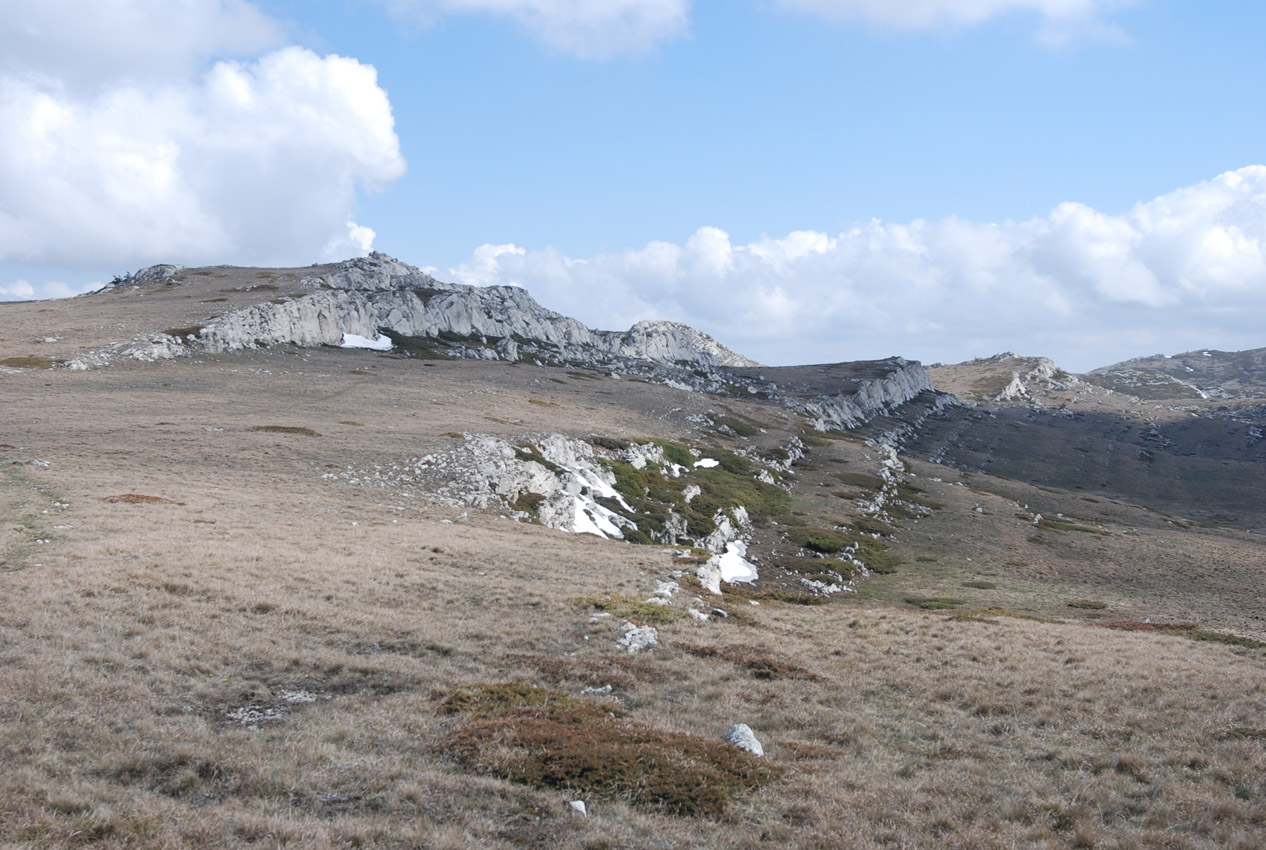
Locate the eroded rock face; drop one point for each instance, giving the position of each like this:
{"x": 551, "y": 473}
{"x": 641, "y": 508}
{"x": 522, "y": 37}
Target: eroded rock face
{"x": 367, "y": 295}
{"x": 907, "y": 380}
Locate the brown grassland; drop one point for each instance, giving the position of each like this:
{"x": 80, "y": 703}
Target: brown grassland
{"x": 203, "y": 643}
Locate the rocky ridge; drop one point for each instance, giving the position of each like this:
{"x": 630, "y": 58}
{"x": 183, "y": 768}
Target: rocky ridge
{"x": 372, "y": 295}
{"x": 381, "y": 302}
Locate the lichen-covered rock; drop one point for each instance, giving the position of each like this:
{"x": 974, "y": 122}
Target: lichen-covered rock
{"x": 639, "y": 638}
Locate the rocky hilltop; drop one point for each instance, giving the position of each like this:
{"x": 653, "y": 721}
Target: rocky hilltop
{"x": 380, "y": 302}
{"x": 369, "y": 296}
{"x": 1194, "y": 374}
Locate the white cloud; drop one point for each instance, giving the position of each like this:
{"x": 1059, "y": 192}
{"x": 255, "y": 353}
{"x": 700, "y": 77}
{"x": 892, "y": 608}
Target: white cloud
{"x": 590, "y": 29}
{"x": 19, "y": 290}
{"x": 1062, "y": 19}
{"x": 107, "y": 40}
{"x": 1186, "y": 269}
{"x": 119, "y": 152}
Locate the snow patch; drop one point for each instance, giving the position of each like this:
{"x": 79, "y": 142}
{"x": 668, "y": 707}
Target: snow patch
{"x": 381, "y": 343}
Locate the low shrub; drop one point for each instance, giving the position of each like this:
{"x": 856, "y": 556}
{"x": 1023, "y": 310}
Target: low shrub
{"x": 487, "y": 700}
{"x": 605, "y": 758}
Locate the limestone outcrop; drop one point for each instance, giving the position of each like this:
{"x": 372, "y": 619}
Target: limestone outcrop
{"x": 378, "y": 293}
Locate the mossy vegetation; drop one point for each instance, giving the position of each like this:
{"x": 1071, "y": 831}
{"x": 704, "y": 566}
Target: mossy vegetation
{"x": 739, "y": 425}
{"x": 653, "y": 495}
{"x": 812, "y": 567}
{"x": 528, "y": 503}
{"x": 527, "y": 451}
{"x": 630, "y": 608}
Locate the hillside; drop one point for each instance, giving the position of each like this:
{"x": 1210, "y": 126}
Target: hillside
{"x": 270, "y": 590}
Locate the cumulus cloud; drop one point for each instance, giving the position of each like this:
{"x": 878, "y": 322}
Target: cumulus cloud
{"x": 1062, "y": 19}
{"x": 590, "y": 29}
{"x": 1187, "y": 269}
{"x": 19, "y": 290}
{"x": 255, "y": 161}
{"x": 104, "y": 41}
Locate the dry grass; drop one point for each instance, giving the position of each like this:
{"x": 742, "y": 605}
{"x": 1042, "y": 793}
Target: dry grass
{"x": 268, "y": 665}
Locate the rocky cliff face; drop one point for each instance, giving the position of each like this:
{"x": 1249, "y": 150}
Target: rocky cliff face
{"x": 378, "y": 293}
{"x": 874, "y": 397}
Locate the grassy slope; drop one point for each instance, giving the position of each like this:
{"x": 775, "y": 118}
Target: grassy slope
{"x": 147, "y": 623}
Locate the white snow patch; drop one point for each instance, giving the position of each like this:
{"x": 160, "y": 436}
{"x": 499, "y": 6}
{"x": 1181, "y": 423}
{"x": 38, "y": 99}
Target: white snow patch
{"x": 381, "y": 343}
{"x": 734, "y": 564}
{"x": 731, "y": 566}
{"x": 593, "y": 518}
{"x": 707, "y": 463}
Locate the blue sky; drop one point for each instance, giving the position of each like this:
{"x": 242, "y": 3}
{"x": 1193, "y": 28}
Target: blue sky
{"x": 809, "y": 180}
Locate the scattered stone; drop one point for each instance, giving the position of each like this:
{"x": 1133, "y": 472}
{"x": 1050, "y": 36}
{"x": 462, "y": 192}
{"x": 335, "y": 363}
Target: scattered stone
{"x": 578, "y": 806}
{"x": 639, "y": 638}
